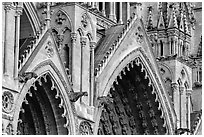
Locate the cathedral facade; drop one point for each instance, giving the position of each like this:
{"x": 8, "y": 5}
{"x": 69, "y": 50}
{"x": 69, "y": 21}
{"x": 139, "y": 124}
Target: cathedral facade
{"x": 101, "y": 68}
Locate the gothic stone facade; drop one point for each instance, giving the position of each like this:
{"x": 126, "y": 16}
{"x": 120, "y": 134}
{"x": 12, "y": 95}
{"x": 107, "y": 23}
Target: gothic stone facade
{"x": 101, "y": 68}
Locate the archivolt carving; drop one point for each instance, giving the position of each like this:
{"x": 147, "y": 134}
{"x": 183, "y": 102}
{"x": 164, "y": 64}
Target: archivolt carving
{"x": 9, "y": 129}
{"x": 40, "y": 81}
{"x": 162, "y": 92}
{"x": 151, "y": 83}
{"x": 85, "y": 128}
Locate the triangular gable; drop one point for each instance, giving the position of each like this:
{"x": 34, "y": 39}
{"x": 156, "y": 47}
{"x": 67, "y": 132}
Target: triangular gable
{"x": 46, "y": 50}
{"x": 173, "y": 20}
{"x": 161, "y": 24}
{"x": 181, "y": 24}
{"x": 135, "y": 43}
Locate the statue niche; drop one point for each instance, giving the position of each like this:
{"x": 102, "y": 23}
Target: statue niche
{"x": 61, "y": 29}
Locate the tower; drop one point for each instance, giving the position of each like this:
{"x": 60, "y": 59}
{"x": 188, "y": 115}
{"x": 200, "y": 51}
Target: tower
{"x": 170, "y": 33}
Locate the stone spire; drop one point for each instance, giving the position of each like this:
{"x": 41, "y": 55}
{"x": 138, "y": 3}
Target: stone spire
{"x": 149, "y": 18}
{"x": 186, "y": 29}
{"x": 173, "y": 20}
{"x": 181, "y": 23}
{"x": 161, "y": 23}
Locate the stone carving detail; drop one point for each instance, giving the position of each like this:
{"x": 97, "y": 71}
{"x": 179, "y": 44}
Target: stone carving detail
{"x": 9, "y": 129}
{"x": 84, "y": 21}
{"x": 61, "y": 17}
{"x": 104, "y": 100}
{"x": 102, "y": 23}
{"x": 162, "y": 71}
{"x": 7, "y": 6}
{"x": 23, "y": 78}
{"x": 74, "y": 96}
{"x": 49, "y": 49}
{"x": 139, "y": 35}
{"x": 85, "y": 128}
{"x": 7, "y": 101}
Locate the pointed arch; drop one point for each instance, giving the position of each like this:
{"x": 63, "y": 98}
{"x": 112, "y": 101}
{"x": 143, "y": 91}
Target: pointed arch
{"x": 153, "y": 81}
{"x": 92, "y": 28}
{"x": 51, "y": 85}
{"x": 81, "y": 32}
{"x": 70, "y": 23}
{"x": 90, "y": 37}
{"x": 168, "y": 68}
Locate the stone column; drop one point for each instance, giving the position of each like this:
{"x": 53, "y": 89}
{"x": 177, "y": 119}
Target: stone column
{"x": 83, "y": 41}
{"x": 173, "y": 46}
{"x": 19, "y": 9}
{"x": 121, "y": 15}
{"x": 73, "y": 41}
{"x": 89, "y": 4}
{"x": 92, "y": 46}
{"x": 158, "y": 49}
{"x": 182, "y": 107}
{"x": 128, "y": 10}
{"x": 103, "y": 9}
{"x": 96, "y": 5}
{"x": 155, "y": 44}
{"x": 112, "y": 11}
{"x": 8, "y": 40}
{"x": 188, "y": 96}
{"x": 174, "y": 43}
{"x": 176, "y": 101}
{"x": 92, "y": 5}
{"x": 114, "y": 14}
{"x": 48, "y": 14}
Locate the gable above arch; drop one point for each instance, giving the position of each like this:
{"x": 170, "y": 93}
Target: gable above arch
{"x": 129, "y": 46}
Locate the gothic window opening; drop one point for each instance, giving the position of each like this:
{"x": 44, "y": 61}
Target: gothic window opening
{"x": 183, "y": 50}
{"x": 63, "y": 41}
{"x": 162, "y": 48}
{"x": 172, "y": 44}
{"x": 199, "y": 74}
{"x": 100, "y": 6}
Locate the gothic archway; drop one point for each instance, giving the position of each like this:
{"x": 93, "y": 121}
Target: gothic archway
{"x": 42, "y": 111}
{"x": 135, "y": 108}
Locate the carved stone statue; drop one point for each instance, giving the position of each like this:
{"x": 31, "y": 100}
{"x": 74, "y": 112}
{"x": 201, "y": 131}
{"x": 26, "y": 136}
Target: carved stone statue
{"x": 74, "y": 96}
{"x": 23, "y": 78}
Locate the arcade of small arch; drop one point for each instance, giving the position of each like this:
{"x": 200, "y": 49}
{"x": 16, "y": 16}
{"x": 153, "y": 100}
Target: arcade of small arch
{"x": 135, "y": 108}
{"x": 43, "y": 111}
